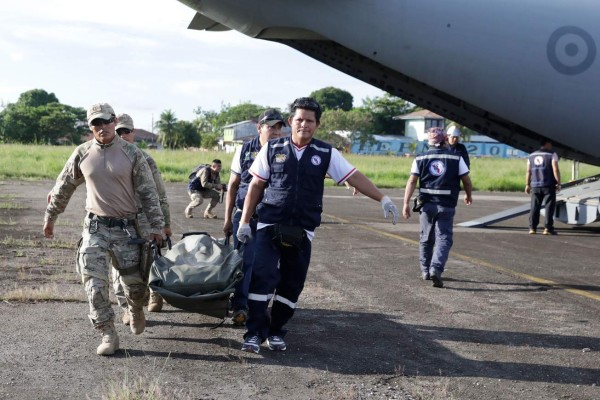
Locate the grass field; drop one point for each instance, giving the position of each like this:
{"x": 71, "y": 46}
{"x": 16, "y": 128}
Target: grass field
{"x": 34, "y": 162}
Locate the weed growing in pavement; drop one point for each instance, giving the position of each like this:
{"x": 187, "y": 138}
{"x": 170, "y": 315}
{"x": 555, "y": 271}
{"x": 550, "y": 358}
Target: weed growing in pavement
{"x": 12, "y": 206}
{"x": 10, "y": 222}
{"x": 133, "y": 384}
{"x": 43, "y": 293}
{"x": 10, "y": 241}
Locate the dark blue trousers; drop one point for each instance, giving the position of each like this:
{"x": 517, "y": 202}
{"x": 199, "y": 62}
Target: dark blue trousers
{"x": 435, "y": 239}
{"x": 542, "y": 196}
{"x": 278, "y": 272}
{"x": 240, "y": 296}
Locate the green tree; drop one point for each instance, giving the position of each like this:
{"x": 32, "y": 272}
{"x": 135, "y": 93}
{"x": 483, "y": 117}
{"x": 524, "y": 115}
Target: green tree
{"x": 166, "y": 129}
{"x": 331, "y": 98}
{"x": 383, "y": 109}
{"x": 38, "y": 117}
{"x": 36, "y": 98}
{"x": 209, "y": 140}
{"x": 339, "y": 127}
{"x": 187, "y": 134}
{"x": 232, "y": 114}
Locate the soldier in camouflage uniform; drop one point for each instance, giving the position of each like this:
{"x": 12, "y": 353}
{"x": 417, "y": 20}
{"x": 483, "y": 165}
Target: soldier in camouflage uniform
{"x": 206, "y": 185}
{"x": 126, "y": 131}
{"x": 115, "y": 172}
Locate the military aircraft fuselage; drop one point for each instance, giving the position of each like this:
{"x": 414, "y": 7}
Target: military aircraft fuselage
{"x": 515, "y": 70}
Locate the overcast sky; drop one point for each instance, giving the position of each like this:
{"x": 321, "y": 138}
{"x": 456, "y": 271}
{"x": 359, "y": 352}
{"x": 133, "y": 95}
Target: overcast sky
{"x": 139, "y": 56}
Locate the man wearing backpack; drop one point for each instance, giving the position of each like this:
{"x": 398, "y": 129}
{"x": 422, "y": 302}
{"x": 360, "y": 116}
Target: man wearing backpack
{"x": 206, "y": 184}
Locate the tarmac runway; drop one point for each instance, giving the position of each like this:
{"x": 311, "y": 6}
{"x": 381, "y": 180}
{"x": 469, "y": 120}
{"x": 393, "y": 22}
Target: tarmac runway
{"x": 567, "y": 261}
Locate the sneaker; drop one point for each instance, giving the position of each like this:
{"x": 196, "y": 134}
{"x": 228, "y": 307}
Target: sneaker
{"x": 240, "y": 317}
{"x": 549, "y": 232}
{"x": 276, "y": 343}
{"x": 532, "y": 231}
{"x": 437, "y": 281}
{"x": 252, "y": 344}
{"x": 209, "y": 215}
{"x": 426, "y": 276}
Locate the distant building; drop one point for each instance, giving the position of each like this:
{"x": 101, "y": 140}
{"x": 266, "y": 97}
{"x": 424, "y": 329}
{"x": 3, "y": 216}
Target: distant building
{"x": 235, "y": 135}
{"x": 416, "y": 123}
{"x": 141, "y": 135}
{"x": 151, "y": 139}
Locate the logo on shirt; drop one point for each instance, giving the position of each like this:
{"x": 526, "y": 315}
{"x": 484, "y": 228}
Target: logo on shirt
{"x": 315, "y": 160}
{"x": 437, "y": 168}
{"x": 538, "y": 160}
{"x": 280, "y": 158}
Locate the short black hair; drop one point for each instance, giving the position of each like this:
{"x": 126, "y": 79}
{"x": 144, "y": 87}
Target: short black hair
{"x": 307, "y": 103}
{"x": 543, "y": 141}
{"x": 216, "y": 161}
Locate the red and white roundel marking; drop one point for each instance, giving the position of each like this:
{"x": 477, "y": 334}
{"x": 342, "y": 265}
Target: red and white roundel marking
{"x": 315, "y": 160}
{"x": 437, "y": 168}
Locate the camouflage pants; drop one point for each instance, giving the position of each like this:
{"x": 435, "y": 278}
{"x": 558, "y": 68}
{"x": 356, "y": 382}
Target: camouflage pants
{"x": 94, "y": 257}
{"x": 198, "y": 198}
{"x": 145, "y": 229}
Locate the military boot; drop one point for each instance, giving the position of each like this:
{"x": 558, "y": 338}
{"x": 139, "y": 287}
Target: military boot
{"x": 110, "y": 340}
{"x": 138, "y": 320}
{"x": 208, "y": 213}
{"x": 156, "y": 302}
{"x": 126, "y": 318}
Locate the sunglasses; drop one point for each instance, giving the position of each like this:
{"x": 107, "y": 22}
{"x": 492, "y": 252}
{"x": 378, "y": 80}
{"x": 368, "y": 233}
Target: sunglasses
{"x": 124, "y": 131}
{"x": 101, "y": 121}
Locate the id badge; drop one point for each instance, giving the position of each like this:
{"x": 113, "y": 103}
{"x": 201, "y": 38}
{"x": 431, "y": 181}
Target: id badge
{"x": 93, "y": 228}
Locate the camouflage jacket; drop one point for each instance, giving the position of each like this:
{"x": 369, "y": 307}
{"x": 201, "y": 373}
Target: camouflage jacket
{"x": 71, "y": 177}
{"x": 160, "y": 187}
{"x": 208, "y": 181}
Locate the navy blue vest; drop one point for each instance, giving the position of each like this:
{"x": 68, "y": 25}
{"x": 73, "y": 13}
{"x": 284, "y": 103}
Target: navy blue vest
{"x": 438, "y": 176}
{"x": 295, "y": 192}
{"x": 248, "y": 154}
{"x": 540, "y": 163}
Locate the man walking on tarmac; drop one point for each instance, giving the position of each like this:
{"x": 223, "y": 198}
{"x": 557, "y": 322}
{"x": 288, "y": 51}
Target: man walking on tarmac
{"x": 542, "y": 180}
{"x": 288, "y": 175}
{"x": 115, "y": 172}
{"x": 439, "y": 172}
{"x": 126, "y": 131}
{"x": 269, "y": 127}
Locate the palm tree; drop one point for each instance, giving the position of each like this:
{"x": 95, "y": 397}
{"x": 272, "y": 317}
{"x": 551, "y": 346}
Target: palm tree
{"x": 166, "y": 127}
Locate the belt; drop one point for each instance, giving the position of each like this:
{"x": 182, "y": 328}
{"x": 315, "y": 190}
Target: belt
{"x": 112, "y": 222}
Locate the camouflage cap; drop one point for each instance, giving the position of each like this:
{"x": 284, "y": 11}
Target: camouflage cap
{"x": 100, "y": 110}
{"x": 270, "y": 117}
{"x": 125, "y": 121}
{"x": 435, "y": 136}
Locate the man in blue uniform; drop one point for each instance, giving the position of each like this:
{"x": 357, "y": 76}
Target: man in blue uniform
{"x": 454, "y": 145}
{"x": 269, "y": 127}
{"x": 288, "y": 174}
{"x": 542, "y": 180}
{"x": 439, "y": 173}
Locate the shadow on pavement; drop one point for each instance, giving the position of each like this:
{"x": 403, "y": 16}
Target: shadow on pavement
{"x": 371, "y": 343}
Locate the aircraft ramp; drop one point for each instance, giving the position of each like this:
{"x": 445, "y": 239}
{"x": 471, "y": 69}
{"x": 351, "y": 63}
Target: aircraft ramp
{"x": 578, "y": 203}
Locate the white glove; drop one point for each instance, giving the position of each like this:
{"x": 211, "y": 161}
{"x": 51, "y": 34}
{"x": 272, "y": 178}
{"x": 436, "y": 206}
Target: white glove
{"x": 388, "y": 208}
{"x": 244, "y": 233}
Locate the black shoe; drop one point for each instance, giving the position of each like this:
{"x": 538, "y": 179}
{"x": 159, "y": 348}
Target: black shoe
{"x": 437, "y": 281}
{"x": 426, "y": 276}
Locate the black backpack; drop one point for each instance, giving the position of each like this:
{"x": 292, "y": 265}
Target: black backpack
{"x": 194, "y": 182}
